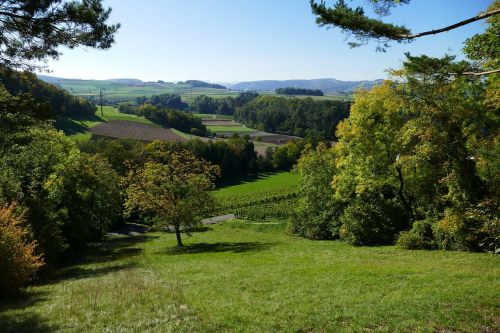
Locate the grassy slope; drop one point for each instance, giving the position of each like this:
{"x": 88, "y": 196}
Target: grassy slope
{"x": 115, "y": 92}
{"x": 78, "y": 128}
{"x": 236, "y": 278}
{"x": 264, "y": 182}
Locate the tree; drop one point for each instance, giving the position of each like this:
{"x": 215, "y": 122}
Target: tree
{"x": 364, "y": 29}
{"x": 17, "y": 254}
{"x": 173, "y": 186}
{"x": 317, "y": 214}
{"x": 32, "y": 30}
{"x": 87, "y": 195}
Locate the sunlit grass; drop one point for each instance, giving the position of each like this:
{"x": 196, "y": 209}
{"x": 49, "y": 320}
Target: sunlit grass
{"x": 251, "y": 277}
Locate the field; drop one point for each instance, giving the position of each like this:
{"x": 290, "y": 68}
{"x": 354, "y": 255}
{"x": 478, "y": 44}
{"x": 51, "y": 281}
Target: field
{"x": 225, "y": 129}
{"x": 79, "y": 128}
{"x": 209, "y": 116}
{"x": 132, "y": 130}
{"x": 118, "y": 92}
{"x": 250, "y": 277}
{"x": 259, "y": 198}
{"x": 262, "y": 183}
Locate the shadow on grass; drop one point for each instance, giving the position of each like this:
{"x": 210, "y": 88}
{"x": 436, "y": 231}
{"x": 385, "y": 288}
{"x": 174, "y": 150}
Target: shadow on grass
{"x": 221, "y": 247}
{"x": 18, "y": 320}
{"x": 77, "y": 272}
{"x": 70, "y": 127}
{"x": 107, "y": 252}
{"x": 239, "y": 180}
{"x": 24, "y": 322}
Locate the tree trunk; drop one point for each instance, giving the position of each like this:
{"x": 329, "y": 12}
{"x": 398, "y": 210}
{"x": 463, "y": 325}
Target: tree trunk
{"x": 402, "y": 195}
{"x": 178, "y": 236}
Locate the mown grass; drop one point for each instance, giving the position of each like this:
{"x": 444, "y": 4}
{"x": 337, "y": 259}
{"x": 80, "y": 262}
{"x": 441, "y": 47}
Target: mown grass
{"x": 230, "y": 128}
{"x": 250, "y": 277}
{"x": 213, "y": 116}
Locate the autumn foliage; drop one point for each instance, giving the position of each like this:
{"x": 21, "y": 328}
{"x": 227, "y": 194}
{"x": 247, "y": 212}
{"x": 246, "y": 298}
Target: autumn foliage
{"x": 18, "y": 260}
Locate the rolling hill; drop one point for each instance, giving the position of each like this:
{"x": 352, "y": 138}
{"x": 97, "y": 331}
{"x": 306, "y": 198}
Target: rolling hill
{"x": 326, "y": 85}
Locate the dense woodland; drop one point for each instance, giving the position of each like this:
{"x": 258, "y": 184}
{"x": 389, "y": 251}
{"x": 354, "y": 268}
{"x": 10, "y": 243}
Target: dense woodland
{"x": 299, "y": 91}
{"x": 294, "y": 116}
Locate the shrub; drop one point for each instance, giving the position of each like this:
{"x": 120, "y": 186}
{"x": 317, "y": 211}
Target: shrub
{"x": 420, "y": 237}
{"x": 18, "y": 260}
{"x": 372, "y": 220}
{"x": 476, "y": 228}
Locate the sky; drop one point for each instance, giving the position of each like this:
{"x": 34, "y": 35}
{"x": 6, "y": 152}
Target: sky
{"x": 245, "y": 40}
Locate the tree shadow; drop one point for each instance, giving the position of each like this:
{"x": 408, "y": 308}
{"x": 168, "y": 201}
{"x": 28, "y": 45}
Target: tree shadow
{"x": 221, "y": 247}
{"x": 22, "y": 321}
{"x": 106, "y": 252}
{"x": 70, "y": 127}
{"x": 77, "y": 272}
{"x": 239, "y": 180}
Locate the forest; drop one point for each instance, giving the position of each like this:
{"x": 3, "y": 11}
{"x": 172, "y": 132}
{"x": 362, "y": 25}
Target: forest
{"x": 297, "y": 117}
{"x": 299, "y": 91}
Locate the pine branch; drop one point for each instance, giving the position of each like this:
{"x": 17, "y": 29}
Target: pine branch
{"x": 453, "y": 26}
{"x": 477, "y": 73}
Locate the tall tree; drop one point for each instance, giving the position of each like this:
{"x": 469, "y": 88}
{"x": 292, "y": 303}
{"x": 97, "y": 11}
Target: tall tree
{"x": 32, "y": 30}
{"x": 173, "y": 187}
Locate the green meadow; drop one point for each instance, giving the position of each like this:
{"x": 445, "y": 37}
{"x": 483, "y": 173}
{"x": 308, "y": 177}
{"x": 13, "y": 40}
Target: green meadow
{"x": 250, "y": 276}
{"x": 244, "y": 276}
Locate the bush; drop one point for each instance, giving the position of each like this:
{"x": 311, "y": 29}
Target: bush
{"x": 18, "y": 260}
{"x": 420, "y": 237}
{"x": 372, "y": 220}
{"x": 476, "y": 228}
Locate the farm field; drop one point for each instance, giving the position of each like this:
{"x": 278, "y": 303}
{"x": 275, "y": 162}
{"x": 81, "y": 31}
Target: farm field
{"x": 124, "y": 129}
{"x": 244, "y": 276}
{"x": 259, "y": 198}
{"x": 79, "y": 128}
{"x": 119, "y": 92}
{"x": 209, "y": 116}
{"x": 263, "y": 182}
{"x": 229, "y": 129}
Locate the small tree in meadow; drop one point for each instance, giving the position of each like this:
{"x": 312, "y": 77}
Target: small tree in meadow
{"x": 173, "y": 186}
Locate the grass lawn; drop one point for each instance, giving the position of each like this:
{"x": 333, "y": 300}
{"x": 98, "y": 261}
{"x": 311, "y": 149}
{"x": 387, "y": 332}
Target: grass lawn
{"x": 78, "y": 128}
{"x": 212, "y": 116}
{"x": 232, "y": 129}
{"x": 262, "y": 183}
{"x": 251, "y": 277}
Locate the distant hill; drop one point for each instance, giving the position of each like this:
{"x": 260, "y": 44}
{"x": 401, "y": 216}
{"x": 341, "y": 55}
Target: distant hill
{"x": 132, "y": 82}
{"x": 203, "y": 84}
{"x": 325, "y": 85}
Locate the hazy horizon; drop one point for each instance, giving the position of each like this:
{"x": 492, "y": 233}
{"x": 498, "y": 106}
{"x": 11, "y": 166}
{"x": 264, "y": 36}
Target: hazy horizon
{"x": 218, "y": 41}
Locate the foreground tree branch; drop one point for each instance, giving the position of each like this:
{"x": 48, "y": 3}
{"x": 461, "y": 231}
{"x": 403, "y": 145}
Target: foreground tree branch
{"x": 363, "y": 29}
{"x": 453, "y": 26}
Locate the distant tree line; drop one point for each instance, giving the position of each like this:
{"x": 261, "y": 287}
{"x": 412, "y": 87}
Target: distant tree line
{"x": 49, "y": 97}
{"x": 298, "y": 117}
{"x": 299, "y": 91}
{"x": 163, "y": 101}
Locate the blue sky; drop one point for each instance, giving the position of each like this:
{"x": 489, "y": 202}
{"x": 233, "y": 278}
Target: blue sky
{"x": 241, "y": 40}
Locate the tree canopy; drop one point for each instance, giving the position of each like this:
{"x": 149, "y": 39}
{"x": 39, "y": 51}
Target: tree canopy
{"x": 32, "y": 30}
